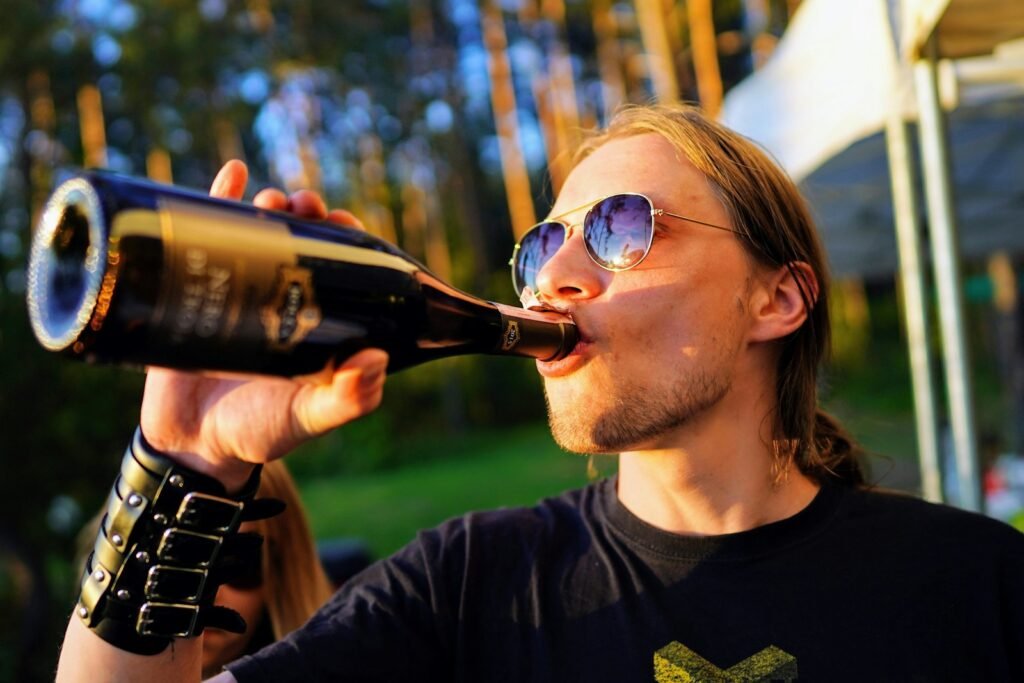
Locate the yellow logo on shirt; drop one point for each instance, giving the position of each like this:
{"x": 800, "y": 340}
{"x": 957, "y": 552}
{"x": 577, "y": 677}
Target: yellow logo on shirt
{"x": 676, "y": 663}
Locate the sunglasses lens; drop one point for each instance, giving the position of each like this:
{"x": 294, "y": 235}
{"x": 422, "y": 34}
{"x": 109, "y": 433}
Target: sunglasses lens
{"x": 536, "y": 248}
{"x": 618, "y": 231}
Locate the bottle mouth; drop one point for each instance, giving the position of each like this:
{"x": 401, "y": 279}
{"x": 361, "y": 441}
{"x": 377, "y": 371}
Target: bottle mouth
{"x": 65, "y": 266}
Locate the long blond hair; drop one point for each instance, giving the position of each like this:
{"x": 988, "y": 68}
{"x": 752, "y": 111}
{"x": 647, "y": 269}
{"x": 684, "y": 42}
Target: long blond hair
{"x": 293, "y": 578}
{"x": 776, "y": 229}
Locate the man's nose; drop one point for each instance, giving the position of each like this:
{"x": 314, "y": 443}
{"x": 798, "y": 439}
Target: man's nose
{"x": 570, "y": 274}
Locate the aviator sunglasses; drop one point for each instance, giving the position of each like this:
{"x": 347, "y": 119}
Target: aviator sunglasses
{"x": 617, "y": 231}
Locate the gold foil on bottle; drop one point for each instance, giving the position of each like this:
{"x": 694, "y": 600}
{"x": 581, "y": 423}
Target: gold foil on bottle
{"x": 220, "y": 265}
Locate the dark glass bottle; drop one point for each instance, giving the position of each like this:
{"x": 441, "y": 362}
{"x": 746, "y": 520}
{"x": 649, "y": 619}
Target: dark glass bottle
{"x": 127, "y": 271}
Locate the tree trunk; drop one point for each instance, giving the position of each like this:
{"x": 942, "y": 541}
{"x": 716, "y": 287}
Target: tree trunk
{"x": 705, "y": 55}
{"x": 503, "y": 101}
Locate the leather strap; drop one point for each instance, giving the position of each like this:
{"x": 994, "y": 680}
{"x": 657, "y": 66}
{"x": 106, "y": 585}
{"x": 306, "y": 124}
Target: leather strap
{"x": 169, "y": 538}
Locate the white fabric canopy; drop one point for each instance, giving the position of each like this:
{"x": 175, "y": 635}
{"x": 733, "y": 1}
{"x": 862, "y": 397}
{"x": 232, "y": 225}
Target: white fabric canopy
{"x": 966, "y": 28}
{"x": 820, "y": 104}
{"x": 826, "y": 85}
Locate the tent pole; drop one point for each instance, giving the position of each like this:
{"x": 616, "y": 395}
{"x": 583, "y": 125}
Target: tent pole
{"x": 912, "y": 278}
{"x": 945, "y": 256}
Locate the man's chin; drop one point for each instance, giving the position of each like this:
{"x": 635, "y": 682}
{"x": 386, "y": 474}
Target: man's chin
{"x": 576, "y": 436}
{"x": 568, "y": 434}
{"x": 575, "y": 425}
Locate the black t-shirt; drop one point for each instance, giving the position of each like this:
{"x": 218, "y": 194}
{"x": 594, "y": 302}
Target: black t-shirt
{"x": 858, "y": 586}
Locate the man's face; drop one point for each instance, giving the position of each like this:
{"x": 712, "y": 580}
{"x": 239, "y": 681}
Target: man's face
{"x": 661, "y": 341}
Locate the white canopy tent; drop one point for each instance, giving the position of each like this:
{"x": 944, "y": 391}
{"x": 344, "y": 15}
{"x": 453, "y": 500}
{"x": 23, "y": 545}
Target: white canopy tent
{"x": 832, "y": 106}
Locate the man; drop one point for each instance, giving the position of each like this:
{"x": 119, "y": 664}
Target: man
{"x": 735, "y": 543}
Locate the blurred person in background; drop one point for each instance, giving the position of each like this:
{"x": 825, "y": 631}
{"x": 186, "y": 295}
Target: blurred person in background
{"x": 289, "y": 585}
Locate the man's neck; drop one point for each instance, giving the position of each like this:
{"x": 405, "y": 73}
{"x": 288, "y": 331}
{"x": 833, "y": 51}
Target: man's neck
{"x": 655, "y": 489}
{"x": 711, "y": 481}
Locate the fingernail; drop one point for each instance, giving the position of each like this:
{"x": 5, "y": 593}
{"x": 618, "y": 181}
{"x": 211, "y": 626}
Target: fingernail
{"x": 217, "y": 187}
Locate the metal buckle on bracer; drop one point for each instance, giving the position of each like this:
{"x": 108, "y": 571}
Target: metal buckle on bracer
{"x": 177, "y": 584}
{"x": 215, "y": 513}
{"x": 167, "y": 620}
{"x": 181, "y": 546}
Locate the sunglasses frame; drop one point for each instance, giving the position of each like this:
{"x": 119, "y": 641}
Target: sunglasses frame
{"x": 566, "y": 227}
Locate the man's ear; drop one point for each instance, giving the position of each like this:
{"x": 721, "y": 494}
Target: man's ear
{"x": 788, "y": 295}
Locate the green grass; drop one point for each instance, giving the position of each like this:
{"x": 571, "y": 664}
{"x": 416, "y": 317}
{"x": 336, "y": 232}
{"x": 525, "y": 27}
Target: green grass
{"x": 480, "y": 470}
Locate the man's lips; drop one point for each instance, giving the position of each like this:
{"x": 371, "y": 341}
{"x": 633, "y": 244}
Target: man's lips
{"x": 576, "y": 357}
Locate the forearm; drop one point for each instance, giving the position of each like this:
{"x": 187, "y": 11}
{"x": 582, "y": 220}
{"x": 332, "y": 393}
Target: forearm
{"x": 87, "y": 658}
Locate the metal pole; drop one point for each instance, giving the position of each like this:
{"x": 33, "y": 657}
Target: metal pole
{"x": 904, "y": 202}
{"x": 945, "y": 256}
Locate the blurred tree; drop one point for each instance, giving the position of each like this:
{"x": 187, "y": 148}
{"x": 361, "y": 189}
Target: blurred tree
{"x": 705, "y": 54}
{"x": 660, "y": 62}
{"x": 506, "y": 115}
{"x": 613, "y": 89}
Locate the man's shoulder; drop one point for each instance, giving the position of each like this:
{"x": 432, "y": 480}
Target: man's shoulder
{"x": 907, "y": 517}
{"x": 563, "y": 519}
{"x": 570, "y": 508}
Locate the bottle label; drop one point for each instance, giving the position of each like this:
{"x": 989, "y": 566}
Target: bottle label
{"x": 544, "y": 341}
{"x": 229, "y": 274}
{"x": 293, "y": 312}
{"x": 510, "y": 337}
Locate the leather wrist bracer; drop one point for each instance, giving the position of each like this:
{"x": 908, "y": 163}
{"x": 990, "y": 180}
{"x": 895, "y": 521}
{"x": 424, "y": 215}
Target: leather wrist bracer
{"x": 169, "y": 538}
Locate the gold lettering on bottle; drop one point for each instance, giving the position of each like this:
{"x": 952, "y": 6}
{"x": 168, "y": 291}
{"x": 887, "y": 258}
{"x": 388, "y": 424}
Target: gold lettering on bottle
{"x": 215, "y": 297}
{"x": 205, "y": 292}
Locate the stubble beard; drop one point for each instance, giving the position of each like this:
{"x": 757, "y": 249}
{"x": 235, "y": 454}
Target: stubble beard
{"x": 637, "y": 415}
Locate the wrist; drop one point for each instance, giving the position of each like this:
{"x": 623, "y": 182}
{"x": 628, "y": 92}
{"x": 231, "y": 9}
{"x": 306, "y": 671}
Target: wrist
{"x": 231, "y": 472}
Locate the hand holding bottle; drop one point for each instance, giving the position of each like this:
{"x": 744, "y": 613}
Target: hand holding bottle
{"x": 218, "y": 424}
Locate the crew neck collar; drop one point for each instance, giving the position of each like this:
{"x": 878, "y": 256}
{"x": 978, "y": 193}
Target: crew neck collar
{"x": 761, "y": 540}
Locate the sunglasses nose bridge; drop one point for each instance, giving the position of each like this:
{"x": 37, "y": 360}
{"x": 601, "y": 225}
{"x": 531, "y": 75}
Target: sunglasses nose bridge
{"x": 571, "y": 228}
{"x": 568, "y": 273}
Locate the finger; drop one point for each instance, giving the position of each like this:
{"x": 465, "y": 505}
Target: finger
{"x": 346, "y": 218}
{"x": 230, "y": 181}
{"x": 307, "y": 204}
{"x": 271, "y": 198}
{"x": 356, "y": 388}
{"x": 373, "y": 366}
{"x": 357, "y": 372}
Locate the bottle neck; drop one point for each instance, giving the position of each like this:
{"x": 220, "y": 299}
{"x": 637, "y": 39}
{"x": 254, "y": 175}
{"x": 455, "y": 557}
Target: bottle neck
{"x": 541, "y": 335}
{"x": 473, "y": 325}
